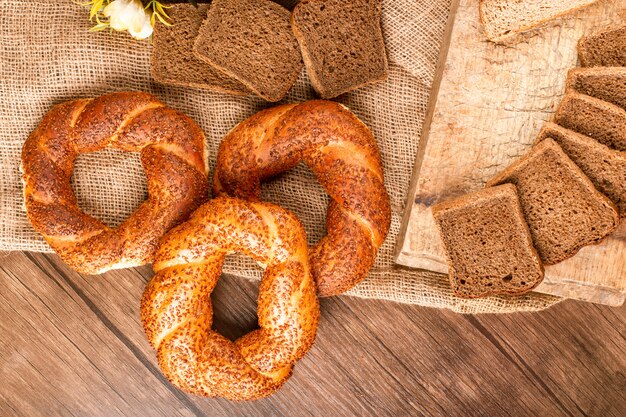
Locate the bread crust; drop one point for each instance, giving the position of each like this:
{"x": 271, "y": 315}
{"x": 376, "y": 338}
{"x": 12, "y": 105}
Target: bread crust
{"x": 603, "y": 49}
{"x": 552, "y": 253}
{"x": 612, "y": 83}
{"x": 176, "y": 309}
{"x": 511, "y": 34}
{"x": 172, "y": 154}
{"x": 266, "y": 23}
{"x": 343, "y": 154}
{"x": 187, "y": 20}
{"x": 599, "y": 119}
{"x": 605, "y": 167}
{"x": 316, "y": 81}
{"x": 526, "y": 272}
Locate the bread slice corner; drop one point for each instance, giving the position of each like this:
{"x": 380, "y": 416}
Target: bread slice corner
{"x": 604, "y": 49}
{"x": 342, "y": 44}
{"x": 604, "y": 83}
{"x": 488, "y": 244}
{"x": 606, "y": 168}
{"x": 504, "y": 19}
{"x": 593, "y": 117}
{"x": 563, "y": 209}
{"x": 251, "y": 41}
{"x": 173, "y": 62}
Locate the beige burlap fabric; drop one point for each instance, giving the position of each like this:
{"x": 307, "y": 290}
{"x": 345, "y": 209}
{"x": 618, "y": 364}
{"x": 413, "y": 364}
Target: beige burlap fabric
{"x": 47, "y": 56}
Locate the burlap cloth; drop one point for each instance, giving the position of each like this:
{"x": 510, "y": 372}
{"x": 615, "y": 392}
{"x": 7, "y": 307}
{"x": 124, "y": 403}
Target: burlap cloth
{"x": 47, "y": 56}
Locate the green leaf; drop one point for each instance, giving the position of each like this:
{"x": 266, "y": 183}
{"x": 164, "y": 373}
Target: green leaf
{"x": 165, "y": 22}
{"x": 193, "y": 2}
{"x": 98, "y": 19}
{"x": 159, "y": 9}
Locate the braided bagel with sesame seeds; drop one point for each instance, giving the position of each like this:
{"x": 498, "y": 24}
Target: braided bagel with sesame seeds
{"x": 171, "y": 147}
{"x": 176, "y": 309}
{"x": 342, "y": 152}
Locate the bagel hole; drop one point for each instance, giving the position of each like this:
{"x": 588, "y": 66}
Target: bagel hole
{"x": 235, "y": 306}
{"x": 298, "y": 191}
{"x": 109, "y": 184}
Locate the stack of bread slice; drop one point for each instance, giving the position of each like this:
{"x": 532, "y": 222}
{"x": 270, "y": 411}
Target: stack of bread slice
{"x": 238, "y": 47}
{"x": 242, "y": 47}
{"x": 567, "y": 192}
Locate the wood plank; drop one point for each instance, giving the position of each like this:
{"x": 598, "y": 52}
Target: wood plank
{"x": 73, "y": 344}
{"x": 485, "y": 113}
{"x": 599, "y": 357}
{"x": 91, "y": 354}
{"x": 448, "y": 363}
{"x": 55, "y": 364}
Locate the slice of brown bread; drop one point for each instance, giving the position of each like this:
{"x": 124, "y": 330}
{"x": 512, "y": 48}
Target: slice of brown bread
{"x": 605, "y": 49}
{"x": 342, "y": 44}
{"x": 563, "y": 209}
{"x": 605, "y": 167}
{"x": 605, "y": 83}
{"x": 503, "y": 19}
{"x": 252, "y": 41}
{"x": 173, "y": 61}
{"x": 488, "y": 244}
{"x": 603, "y": 121}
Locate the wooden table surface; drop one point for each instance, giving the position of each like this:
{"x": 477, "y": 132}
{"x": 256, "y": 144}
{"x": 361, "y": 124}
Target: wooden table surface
{"x": 73, "y": 345}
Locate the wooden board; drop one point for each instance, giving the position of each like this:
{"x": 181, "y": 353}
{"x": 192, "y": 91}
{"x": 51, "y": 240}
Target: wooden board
{"x": 73, "y": 345}
{"x": 487, "y": 106}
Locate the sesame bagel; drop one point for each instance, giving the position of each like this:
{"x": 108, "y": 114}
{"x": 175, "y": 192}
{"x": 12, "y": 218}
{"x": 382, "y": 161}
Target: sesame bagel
{"x": 342, "y": 152}
{"x": 172, "y": 153}
{"x": 177, "y": 313}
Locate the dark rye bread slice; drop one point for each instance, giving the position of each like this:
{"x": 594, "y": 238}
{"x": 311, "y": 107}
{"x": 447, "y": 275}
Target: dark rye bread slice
{"x": 173, "y": 61}
{"x": 603, "y": 121}
{"x": 605, "y": 167}
{"x": 563, "y": 209}
{"x": 604, "y": 83}
{"x": 252, "y": 41}
{"x": 488, "y": 244}
{"x": 605, "y": 49}
{"x": 342, "y": 44}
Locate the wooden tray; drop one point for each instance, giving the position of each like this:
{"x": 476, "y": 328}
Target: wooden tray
{"x": 487, "y": 106}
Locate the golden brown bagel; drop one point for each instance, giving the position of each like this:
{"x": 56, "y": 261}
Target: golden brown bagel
{"x": 343, "y": 154}
{"x": 172, "y": 155}
{"x": 176, "y": 307}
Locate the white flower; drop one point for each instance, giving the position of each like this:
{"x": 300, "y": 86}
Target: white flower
{"x": 129, "y": 15}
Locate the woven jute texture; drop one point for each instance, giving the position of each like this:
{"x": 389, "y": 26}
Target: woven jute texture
{"x": 48, "y": 56}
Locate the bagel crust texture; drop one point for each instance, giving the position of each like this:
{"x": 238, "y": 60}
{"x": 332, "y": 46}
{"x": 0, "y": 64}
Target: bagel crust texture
{"x": 176, "y": 309}
{"x": 171, "y": 147}
{"x": 342, "y": 152}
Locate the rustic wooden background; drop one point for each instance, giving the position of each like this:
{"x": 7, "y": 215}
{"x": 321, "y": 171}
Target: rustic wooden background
{"x": 73, "y": 345}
